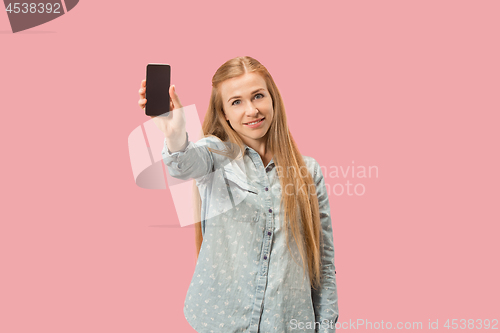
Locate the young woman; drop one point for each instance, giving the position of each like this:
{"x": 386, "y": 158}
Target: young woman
{"x": 266, "y": 257}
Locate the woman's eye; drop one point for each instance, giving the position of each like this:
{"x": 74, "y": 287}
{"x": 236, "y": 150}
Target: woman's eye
{"x": 238, "y": 102}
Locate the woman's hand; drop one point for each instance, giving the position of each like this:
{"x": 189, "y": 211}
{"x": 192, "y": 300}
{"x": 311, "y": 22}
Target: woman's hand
{"x": 173, "y": 125}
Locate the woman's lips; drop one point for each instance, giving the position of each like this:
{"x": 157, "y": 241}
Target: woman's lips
{"x": 255, "y": 125}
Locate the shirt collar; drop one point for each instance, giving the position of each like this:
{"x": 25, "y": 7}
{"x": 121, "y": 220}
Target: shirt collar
{"x": 271, "y": 163}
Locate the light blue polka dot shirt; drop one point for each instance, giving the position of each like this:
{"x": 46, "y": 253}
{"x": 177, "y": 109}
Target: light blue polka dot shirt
{"x": 245, "y": 279}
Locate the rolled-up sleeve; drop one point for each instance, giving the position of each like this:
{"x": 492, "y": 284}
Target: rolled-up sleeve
{"x": 325, "y": 297}
{"x": 194, "y": 160}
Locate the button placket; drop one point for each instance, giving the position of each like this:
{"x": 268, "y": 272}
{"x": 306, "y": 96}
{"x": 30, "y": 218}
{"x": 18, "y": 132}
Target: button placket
{"x": 269, "y": 217}
{"x": 267, "y": 244}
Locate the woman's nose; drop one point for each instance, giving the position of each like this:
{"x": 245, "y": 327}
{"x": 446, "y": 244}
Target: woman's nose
{"x": 250, "y": 109}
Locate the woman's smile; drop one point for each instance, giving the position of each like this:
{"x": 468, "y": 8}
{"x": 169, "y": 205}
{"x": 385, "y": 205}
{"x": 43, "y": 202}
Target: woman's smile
{"x": 256, "y": 123}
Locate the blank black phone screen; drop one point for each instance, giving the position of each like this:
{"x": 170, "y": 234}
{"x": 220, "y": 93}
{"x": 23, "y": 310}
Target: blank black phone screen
{"x": 157, "y": 85}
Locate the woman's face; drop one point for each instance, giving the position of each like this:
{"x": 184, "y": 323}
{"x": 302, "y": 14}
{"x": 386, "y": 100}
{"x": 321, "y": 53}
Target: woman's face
{"x": 245, "y": 100}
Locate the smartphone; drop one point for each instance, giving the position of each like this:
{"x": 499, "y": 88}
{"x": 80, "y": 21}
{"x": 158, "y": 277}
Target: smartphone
{"x": 157, "y": 86}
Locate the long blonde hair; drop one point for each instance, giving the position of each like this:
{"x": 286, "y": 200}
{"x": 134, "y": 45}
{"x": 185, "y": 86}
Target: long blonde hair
{"x": 302, "y": 201}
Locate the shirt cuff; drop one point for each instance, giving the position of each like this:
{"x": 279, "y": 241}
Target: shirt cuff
{"x": 183, "y": 149}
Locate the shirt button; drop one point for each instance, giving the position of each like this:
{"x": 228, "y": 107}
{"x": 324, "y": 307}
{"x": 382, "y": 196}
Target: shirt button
{"x": 267, "y": 189}
{"x": 265, "y": 257}
{"x": 269, "y": 233}
{"x": 270, "y": 210}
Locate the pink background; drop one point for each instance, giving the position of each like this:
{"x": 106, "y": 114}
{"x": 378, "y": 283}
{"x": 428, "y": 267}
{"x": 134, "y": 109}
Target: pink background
{"x": 411, "y": 87}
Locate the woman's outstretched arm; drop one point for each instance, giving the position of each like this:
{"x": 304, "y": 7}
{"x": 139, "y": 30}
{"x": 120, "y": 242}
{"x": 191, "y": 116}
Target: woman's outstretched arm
{"x": 193, "y": 161}
{"x": 183, "y": 158}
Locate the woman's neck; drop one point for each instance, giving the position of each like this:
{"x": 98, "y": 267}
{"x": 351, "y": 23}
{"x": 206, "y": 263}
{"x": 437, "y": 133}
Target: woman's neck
{"x": 260, "y": 146}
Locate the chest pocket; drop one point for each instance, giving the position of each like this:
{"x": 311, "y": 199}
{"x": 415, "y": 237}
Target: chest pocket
{"x": 243, "y": 195}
